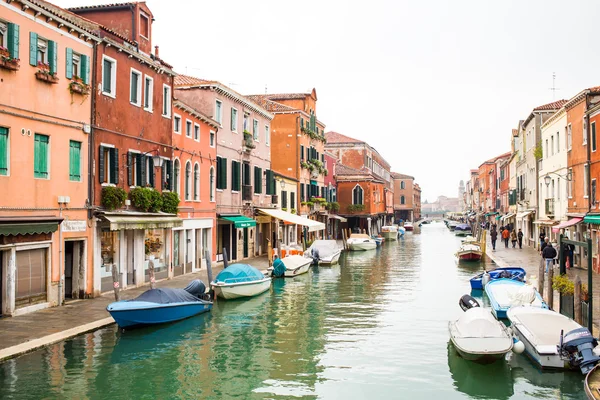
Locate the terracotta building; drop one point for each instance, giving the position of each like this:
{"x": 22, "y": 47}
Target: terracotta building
{"x": 46, "y": 247}
{"x": 416, "y": 201}
{"x": 335, "y": 221}
{"x": 244, "y": 179}
{"x": 404, "y": 196}
{"x": 132, "y": 136}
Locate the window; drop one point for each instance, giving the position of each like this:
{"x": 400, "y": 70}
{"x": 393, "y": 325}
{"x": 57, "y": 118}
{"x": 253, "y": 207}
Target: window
{"x": 196, "y": 182}
{"x": 302, "y": 197}
{"x": 234, "y": 120}
{"x": 42, "y": 51}
{"x": 283, "y": 199}
{"x": 177, "y": 124}
{"x": 593, "y": 192}
{"x": 547, "y": 153}
{"x": 593, "y": 134}
{"x": 140, "y": 169}
{"x": 402, "y": 200}
{"x": 212, "y": 139}
{"x": 188, "y": 178}
{"x": 148, "y": 93}
{"x": 292, "y": 200}
{"x": 74, "y": 161}
{"x": 570, "y": 185}
{"x": 569, "y": 137}
{"x": 166, "y": 112}
{"x": 552, "y": 145}
{"x": 557, "y": 142}
{"x": 255, "y": 132}
{"x": 108, "y": 165}
{"x": 77, "y": 66}
{"x": 196, "y": 132}
{"x": 586, "y": 177}
{"x": 219, "y": 113}
{"x": 235, "y": 176}
{"x": 9, "y": 38}
{"x": 40, "y": 156}
{"x": 188, "y": 128}
{"x": 4, "y": 151}
{"x": 558, "y": 189}
{"x": 302, "y": 152}
{"x": 402, "y": 185}
{"x": 212, "y": 183}
{"x": 144, "y": 26}
{"x": 176, "y": 177}
{"x": 552, "y": 189}
{"x": 135, "y": 88}
{"x": 3, "y": 34}
{"x": 221, "y": 173}
{"x": 246, "y": 123}
{"x": 257, "y": 180}
{"x": 267, "y": 136}
{"x": 357, "y": 195}
{"x": 584, "y": 132}
{"x": 109, "y": 76}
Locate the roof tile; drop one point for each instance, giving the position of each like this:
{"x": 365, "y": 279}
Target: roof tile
{"x": 335, "y": 137}
{"x": 555, "y": 105}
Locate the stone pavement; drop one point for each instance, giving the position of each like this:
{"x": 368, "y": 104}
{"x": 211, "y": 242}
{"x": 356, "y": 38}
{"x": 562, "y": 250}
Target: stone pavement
{"x": 529, "y": 259}
{"x": 28, "y": 332}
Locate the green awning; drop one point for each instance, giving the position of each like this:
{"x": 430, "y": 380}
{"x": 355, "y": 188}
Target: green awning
{"x": 28, "y": 229}
{"x": 240, "y": 221}
{"x": 491, "y": 213}
{"x": 592, "y": 219}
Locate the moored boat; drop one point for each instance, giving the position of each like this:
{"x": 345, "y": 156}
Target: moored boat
{"x": 324, "y": 252}
{"x": 378, "y": 240}
{"x": 240, "y": 280}
{"x": 506, "y": 293}
{"x": 401, "y": 231}
{"x": 514, "y": 273}
{"x": 361, "y": 242}
{"x": 462, "y": 230}
{"x": 452, "y": 225}
{"x": 469, "y": 251}
{"x": 592, "y": 384}
{"x": 290, "y": 266}
{"x": 408, "y": 226}
{"x": 553, "y": 340}
{"x": 159, "y": 306}
{"x": 389, "y": 232}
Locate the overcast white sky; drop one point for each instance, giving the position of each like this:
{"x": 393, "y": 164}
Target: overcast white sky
{"x": 434, "y": 86}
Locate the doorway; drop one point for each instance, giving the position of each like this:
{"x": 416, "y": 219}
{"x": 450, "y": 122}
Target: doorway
{"x": 69, "y": 269}
{"x": 1, "y": 283}
{"x": 130, "y": 239}
{"x": 74, "y": 269}
{"x": 245, "y": 242}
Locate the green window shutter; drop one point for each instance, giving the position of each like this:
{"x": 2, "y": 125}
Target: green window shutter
{"x": 101, "y": 164}
{"x": 74, "y": 160}
{"x": 40, "y": 156}
{"x": 151, "y": 172}
{"x": 260, "y": 172}
{"x": 85, "y": 69}
{"x": 219, "y": 172}
{"x": 238, "y": 175}
{"x": 129, "y": 169}
{"x": 138, "y": 170}
{"x": 13, "y": 40}
{"x": 302, "y": 192}
{"x": 114, "y": 166}
{"x": 3, "y": 151}
{"x": 224, "y": 174}
{"x": 69, "y": 63}
{"x": 33, "y": 44}
{"x": 52, "y": 56}
{"x": 233, "y": 175}
{"x": 170, "y": 175}
{"x": 106, "y": 76}
{"x": 302, "y": 152}
{"x": 301, "y": 122}
{"x": 257, "y": 180}
{"x": 272, "y": 183}
{"x": 292, "y": 200}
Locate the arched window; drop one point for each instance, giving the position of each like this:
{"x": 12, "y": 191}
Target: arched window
{"x": 357, "y": 195}
{"x": 196, "y": 182}
{"x": 212, "y": 183}
{"x": 402, "y": 185}
{"x": 176, "y": 177}
{"x": 402, "y": 200}
{"x": 188, "y": 179}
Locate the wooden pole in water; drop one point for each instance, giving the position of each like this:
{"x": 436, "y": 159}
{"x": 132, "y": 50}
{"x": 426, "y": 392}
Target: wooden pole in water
{"x": 344, "y": 240}
{"x": 225, "y": 261}
{"x": 152, "y": 276}
{"x": 209, "y": 272}
{"x": 577, "y": 300}
{"x": 550, "y": 289}
{"x": 116, "y": 285}
{"x": 541, "y": 278}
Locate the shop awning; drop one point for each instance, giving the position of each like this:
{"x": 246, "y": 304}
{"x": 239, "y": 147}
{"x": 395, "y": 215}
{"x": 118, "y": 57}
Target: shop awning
{"x": 333, "y": 216}
{"x": 28, "y": 225}
{"x": 134, "y": 220}
{"x": 524, "y": 214}
{"x": 592, "y": 219}
{"x": 240, "y": 221}
{"x": 312, "y": 225}
{"x": 507, "y": 216}
{"x": 544, "y": 222}
{"x": 566, "y": 224}
{"x": 491, "y": 213}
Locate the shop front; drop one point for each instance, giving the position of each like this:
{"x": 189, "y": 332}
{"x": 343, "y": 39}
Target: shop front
{"x": 287, "y": 226}
{"x": 236, "y": 234}
{"x": 133, "y": 241}
{"x": 190, "y": 243}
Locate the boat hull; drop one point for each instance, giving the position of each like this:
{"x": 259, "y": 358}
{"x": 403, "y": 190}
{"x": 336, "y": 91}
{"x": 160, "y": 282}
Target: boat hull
{"x": 243, "y": 289}
{"x": 138, "y": 314}
{"x": 390, "y": 235}
{"x": 362, "y": 246}
{"x": 462, "y": 233}
{"x": 330, "y": 260}
{"x": 500, "y": 309}
{"x": 478, "y": 358}
{"x": 476, "y": 281}
{"x": 292, "y": 272}
{"x": 469, "y": 256}
{"x": 592, "y": 383}
{"x": 409, "y": 227}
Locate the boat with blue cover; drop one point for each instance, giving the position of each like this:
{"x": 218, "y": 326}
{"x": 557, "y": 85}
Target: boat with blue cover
{"x": 462, "y": 230}
{"x": 506, "y": 293}
{"x": 240, "y": 280}
{"x": 514, "y": 273}
{"x": 159, "y": 306}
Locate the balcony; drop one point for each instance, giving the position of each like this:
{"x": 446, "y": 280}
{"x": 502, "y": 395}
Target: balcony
{"x": 550, "y": 207}
{"x": 246, "y": 192}
{"x": 248, "y": 142}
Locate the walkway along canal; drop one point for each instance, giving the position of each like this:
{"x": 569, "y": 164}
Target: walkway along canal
{"x": 373, "y": 327}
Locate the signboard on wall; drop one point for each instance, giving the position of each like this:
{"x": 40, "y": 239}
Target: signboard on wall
{"x": 73, "y": 226}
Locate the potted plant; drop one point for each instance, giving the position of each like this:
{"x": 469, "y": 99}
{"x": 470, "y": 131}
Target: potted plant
{"x": 6, "y": 61}
{"x": 566, "y": 288}
{"x": 584, "y": 296}
{"x": 43, "y": 73}
{"x": 77, "y": 86}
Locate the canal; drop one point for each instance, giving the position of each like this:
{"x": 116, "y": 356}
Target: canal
{"x": 373, "y": 327}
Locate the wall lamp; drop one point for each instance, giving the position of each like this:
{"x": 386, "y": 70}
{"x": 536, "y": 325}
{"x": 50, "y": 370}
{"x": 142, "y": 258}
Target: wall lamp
{"x": 548, "y": 179}
{"x": 157, "y": 160}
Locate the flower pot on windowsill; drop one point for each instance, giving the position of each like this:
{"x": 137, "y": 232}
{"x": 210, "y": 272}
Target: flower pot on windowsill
{"x": 46, "y": 77}
{"x": 11, "y": 64}
{"x": 79, "y": 88}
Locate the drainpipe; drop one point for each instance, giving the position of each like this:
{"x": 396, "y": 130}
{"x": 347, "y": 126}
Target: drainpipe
{"x": 589, "y": 150}
{"x": 91, "y": 141}
{"x": 134, "y": 38}
{"x": 60, "y": 260}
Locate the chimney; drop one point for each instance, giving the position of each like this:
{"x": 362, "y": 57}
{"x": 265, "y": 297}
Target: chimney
{"x": 156, "y": 51}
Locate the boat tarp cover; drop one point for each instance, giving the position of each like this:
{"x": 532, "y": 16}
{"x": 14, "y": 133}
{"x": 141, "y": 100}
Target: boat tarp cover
{"x": 239, "y": 273}
{"x": 324, "y": 248}
{"x": 294, "y": 261}
{"x": 166, "y": 296}
{"x": 278, "y": 268}
{"x": 523, "y": 296}
{"x": 478, "y": 322}
{"x": 463, "y": 227}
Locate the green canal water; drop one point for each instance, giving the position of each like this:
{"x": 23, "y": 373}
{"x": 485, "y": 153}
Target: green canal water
{"x": 373, "y": 327}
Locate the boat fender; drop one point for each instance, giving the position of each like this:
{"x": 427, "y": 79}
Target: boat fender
{"x": 467, "y": 302}
{"x": 485, "y": 279}
{"x": 518, "y": 346}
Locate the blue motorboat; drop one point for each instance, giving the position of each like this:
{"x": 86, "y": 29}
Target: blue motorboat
{"x": 514, "y": 273}
{"x": 462, "y": 230}
{"x": 159, "y": 306}
{"x": 378, "y": 240}
{"x": 506, "y": 293}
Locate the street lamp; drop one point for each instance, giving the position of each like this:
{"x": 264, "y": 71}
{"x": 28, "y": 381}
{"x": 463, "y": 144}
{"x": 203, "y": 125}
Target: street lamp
{"x": 282, "y": 184}
{"x": 568, "y": 177}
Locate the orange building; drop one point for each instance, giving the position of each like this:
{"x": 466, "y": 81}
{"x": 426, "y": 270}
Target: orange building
{"x": 404, "y": 196}
{"x": 194, "y": 159}
{"x": 577, "y": 156}
{"x": 46, "y": 246}
{"x": 417, "y": 201}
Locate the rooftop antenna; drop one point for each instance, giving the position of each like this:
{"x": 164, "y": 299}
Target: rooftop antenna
{"x": 554, "y": 88}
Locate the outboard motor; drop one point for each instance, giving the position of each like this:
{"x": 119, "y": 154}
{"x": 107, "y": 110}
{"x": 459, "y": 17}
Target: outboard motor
{"x": 505, "y": 274}
{"x": 485, "y": 279}
{"x": 197, "y": 288}
{"x": 315, "y": 256}
{"x": 577, "y": 346}
{"x": 467, "y": 302}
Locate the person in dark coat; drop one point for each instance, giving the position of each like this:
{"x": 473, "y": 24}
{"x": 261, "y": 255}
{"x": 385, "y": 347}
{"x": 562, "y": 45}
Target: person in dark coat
{"x": 520, "y": 238}
{"x": 549, "y": 254}
{"x": 494, "y": 237}
{"x": 544, "y": 244}
{"x": 542, "y": 237}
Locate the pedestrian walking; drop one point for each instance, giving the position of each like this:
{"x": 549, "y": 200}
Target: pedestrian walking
{"x": 513, "y": 238}
{"x": 542, "y": 237}
{"x": 568, "y": 250}
{"x": 545, "y": 243}
{"x": 520, "y": 238}
{"x": 505, "y": 237}
{"x": 493, "y": 237}
{"x": 549, "y": 254}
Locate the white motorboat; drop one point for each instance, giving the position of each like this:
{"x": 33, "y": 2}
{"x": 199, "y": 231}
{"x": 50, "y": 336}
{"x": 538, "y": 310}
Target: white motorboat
{"x": 324, "y": 252}
{"x": 408, "y": 226}
{"x": 553, "y": 340}
{"x": 240, "y": 280}
{"x": 477, "y": 335}
{"x": 294, "y": 265}
{"x": 401, "y": 231}
{"x": 469, "y": 251}
{"x": 358, "y": 241}
{"x": 389, "y": 232}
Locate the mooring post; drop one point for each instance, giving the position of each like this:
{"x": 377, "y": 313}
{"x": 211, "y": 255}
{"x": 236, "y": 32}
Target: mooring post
{"x": 152, "y": 276}
{"x": 116, "y": 285}
{"x": 577, "y": 300}
{"x": 541, "y": 278}
{"x": 590, "y": 284}
{"x": 225, "y": 261}
{"x": 550, "y": 289}
{"x": 209, "y": 272}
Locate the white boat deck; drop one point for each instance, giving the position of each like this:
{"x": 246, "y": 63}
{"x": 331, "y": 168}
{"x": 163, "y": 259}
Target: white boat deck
{"x": 542, "y": 327}
{"x": 506, "y": 295}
